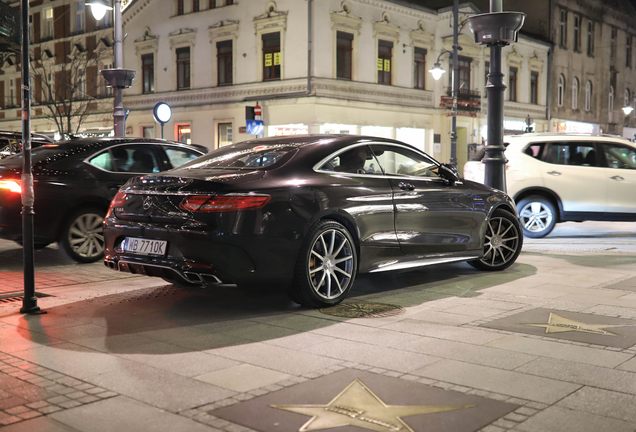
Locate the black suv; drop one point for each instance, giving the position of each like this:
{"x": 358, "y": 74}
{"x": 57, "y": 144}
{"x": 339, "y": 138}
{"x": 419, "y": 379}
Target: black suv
{"x": 74, "y": 182}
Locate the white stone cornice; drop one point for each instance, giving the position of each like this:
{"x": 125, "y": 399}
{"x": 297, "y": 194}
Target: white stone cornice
{"x": 392, "y": 7}
{"x": 513, "y": 58}
{"x": 184, "y": 36}
{"x": 469, "y": 47}
{"x": 223, "y": 30}
{"x": 146, "y": 43}
{"x": 420, "y": 37}
{"x": 345, "y": 21}
{"x": 270, "y": 20}
{"x": 535, "y": 63}
{"x": 385, "y": 29}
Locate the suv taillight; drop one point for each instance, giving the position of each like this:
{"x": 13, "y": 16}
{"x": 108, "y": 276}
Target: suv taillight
{"x": 215, "y": 204}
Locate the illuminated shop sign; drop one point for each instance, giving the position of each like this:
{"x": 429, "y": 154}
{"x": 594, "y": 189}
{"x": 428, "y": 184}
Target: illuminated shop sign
{"x": 517, "y": 125}
{"x": 575, "y": 127}
{"x": 286, "y": 130}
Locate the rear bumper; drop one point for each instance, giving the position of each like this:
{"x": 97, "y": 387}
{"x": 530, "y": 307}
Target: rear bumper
{"x": 217, "y": 257}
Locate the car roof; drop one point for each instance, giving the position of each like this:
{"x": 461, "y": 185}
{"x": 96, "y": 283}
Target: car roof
{"x": 561, "y": 136}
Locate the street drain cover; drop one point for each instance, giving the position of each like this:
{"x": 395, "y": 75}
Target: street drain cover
{"x": 363, "y": 310}
{"x": 17, "y": 297}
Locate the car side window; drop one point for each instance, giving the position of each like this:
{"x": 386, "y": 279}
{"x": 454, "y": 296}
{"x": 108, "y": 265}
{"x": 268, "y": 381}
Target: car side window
{"x": 572, "y": 153}
{"x": 620, "y": 156}
{"x": 137, "y": 159}
{"x": 179, "y": 156}
{"x": 357, "y": 160}
{"x": 535, "y": 150}
{"x": 401, "y": 161}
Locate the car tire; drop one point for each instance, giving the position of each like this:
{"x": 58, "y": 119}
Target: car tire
{"x": 502, "y": 242}
{"x": 538, "y": 216}
{"x": 326, "y": 266}
{"x": 82, "y": 237}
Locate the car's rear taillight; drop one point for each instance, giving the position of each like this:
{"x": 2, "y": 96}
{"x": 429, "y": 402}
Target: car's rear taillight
{"x": 11, "y": 185}
{"x": 117, "y": 201}
{"x": 225, "y": 203}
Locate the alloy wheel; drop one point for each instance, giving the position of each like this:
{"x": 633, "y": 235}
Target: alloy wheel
{"x": 536, "y": 217}
{"x": 331, "y": 264}
{"x": 502, "y": 242}
{"x": 85, "y": 236}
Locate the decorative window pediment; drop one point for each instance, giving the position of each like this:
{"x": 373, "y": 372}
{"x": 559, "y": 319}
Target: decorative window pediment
{"x": 227, "y": 29}
{"x": 469, "y": 47}
{"x": 146, "y": 43}
{"x": 184, "y": 36}
{"x": 420, "y": 37}
{"x": 271, "y": 20}
{"x": 513, "y": 58}
{"x": 384, "y": 29}
{"x": 345, "y": 21}
{"x": 535, "y": 63}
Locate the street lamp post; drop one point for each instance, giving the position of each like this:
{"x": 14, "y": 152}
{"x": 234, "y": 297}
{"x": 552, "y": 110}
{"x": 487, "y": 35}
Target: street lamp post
{"x": 117, "y": 78}
{"x": 437, "y": 72}
{"x": 496, "y": 30}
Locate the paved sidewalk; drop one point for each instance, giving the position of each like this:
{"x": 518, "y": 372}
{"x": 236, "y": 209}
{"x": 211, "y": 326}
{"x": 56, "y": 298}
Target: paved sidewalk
{"x": 548, "y": 345}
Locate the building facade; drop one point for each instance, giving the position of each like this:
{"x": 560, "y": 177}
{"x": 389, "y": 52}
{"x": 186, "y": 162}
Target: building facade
{"x": 328, "y": 66}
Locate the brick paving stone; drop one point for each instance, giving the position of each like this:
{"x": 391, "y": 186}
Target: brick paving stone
{"x": 218, "y": 423}
{"x": 491, "y": 428}
{"x": 68, "y": 381}
{"x": 76, "y": 395}
{"x": 507, "y": 424}
{"x": 190, "y": 413}
{"x": 83, "y": 386}
{"x": 17, "y": 410}
{"x": 426, "y": 381}
{"x": 258, "y": 392}
{"x": 526, "y": 411}
{"x": 516, "y": 401}
{"x": 272, "y": 387}
{"x": 537, "y": 405}
{"x": 461, "y": 389}
{"x": 10, "y": 420}
{"x": 94, "y": 390}
{"x": 49, "y": 409}
{"x": 12, "y": 401}
{"x": 30, "y": 414}
{"x": 70, "y": 404}
{"x": 516, "y": 417}
{"x": 88, "y": 399}
{"x": 36, "y": 405}
{"x": 106, "y": 394}
{"x": 58, "y": 400}
{"x": 393, "y": 374}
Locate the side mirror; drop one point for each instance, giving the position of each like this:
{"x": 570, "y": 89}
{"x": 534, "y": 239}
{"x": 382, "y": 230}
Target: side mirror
{"x": 448, "y": 172}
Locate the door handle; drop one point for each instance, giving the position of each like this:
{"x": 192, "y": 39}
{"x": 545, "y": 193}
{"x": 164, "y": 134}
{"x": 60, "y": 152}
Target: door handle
{"x": 617, "y": 178}
{"x": 554, "y": 173}
{"x": 406, "y": 186}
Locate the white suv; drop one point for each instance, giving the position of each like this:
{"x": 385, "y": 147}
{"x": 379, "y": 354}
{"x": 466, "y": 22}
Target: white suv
{"x": 562, "y": 177}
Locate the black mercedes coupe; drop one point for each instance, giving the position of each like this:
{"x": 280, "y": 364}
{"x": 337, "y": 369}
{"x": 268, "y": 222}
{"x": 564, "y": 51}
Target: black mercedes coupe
{"x": 309, "y": 213}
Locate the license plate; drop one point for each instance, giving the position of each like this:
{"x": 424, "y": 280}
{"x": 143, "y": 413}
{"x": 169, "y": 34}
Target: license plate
{"x": 145, "y": 246}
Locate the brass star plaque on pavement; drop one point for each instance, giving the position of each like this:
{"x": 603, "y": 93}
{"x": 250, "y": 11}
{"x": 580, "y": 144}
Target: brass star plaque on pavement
{"x": 353, "y": 401}
{"x": 358, "y": 406}
{"x": 558, "y": 324}
{"x": 572, "y": 326}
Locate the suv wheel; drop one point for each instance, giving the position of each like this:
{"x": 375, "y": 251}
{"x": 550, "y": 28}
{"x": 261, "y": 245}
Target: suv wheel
{"x": 538, "y": 215}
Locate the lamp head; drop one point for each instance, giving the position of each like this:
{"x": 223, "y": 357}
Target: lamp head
{"x": 98, "y": 8}
{"x": 162, "y": 112}
{"x": 628, "y": 110}
{"x": 437, "y": 71}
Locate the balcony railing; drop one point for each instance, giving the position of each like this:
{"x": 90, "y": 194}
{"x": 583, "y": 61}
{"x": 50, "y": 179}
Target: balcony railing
{"x": 467, "y": 100}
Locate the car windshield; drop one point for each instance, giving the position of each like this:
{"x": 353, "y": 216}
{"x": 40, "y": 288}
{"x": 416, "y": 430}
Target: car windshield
{"x": 235, "y": 157}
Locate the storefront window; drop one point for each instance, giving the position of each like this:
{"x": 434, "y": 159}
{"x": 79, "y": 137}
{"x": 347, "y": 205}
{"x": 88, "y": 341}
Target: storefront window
{"x": 225, "y": 134}
{"x": 183, "y": 133}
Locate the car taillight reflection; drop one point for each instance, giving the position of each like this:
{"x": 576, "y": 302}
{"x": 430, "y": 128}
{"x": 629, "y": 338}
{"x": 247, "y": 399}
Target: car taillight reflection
{"x": 11, "y": 185}
{"x": 215, "y": 204}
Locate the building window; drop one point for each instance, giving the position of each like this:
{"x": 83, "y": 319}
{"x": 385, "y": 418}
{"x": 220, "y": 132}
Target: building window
{"x": 212, "y": 4}
{"x": 48, "y": 23}
{"x": 627, "y": 98}
{"x": 79, "y": 17}
{"x": 148, "y": 73}
{"x": 229, "y": 2}
{"x": 534, "y": 87}
{"x": 183, "y": 68}
{"x": 183, "y": 133}
{"x": 610, "y": 105}
{"x": 575, "y": 93}
{"x": 463, "y": 70}
{"x": 512, "y": 83}
{"x": 628, "y": 51}
{"x": 271, "y": 56}
{"x": 225, "y": 134}
{"x": 590, "y": 38}
{"x": 560, "y": 87}
{"x": 588, "y": 96}
{"x": 577, "y": 33}
{"x": 613, "y": 33}
{"x": 224, "y": 62}
{"x": 344, "y": 51}
{"x": 80, "y": 87}
{"x": 563, "y": 27}
{"x": 195, "y": 5}
{"x": 180, "y": 7}
{"x": 148, "y": 131}
{"x": 385, "y": 51}
{"x": 107, "y": 21}
{"x": 419, "y": 57}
